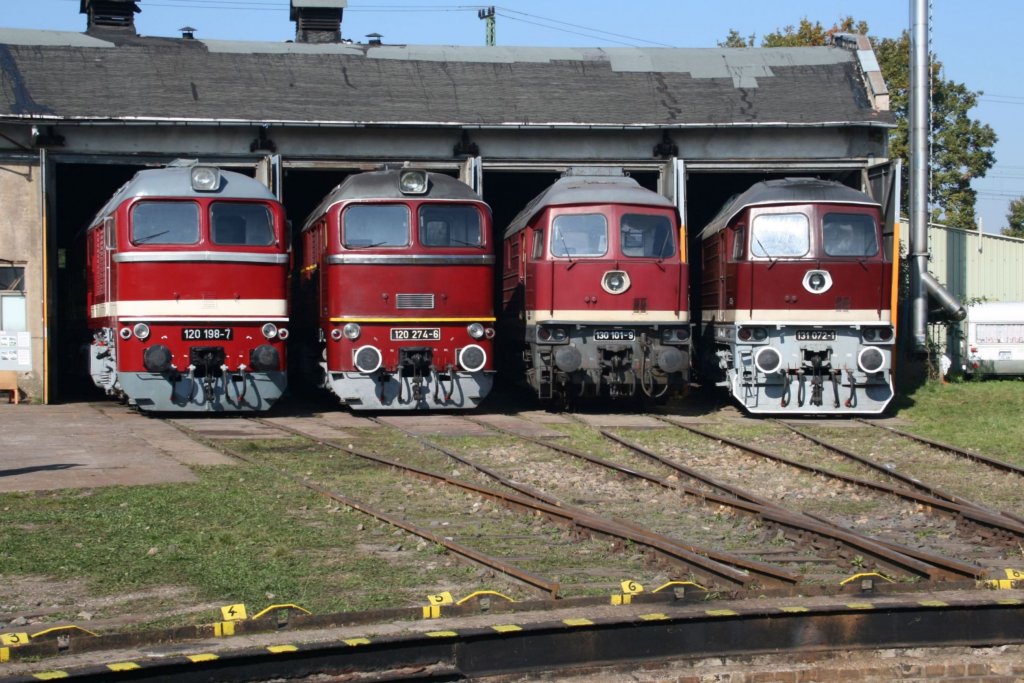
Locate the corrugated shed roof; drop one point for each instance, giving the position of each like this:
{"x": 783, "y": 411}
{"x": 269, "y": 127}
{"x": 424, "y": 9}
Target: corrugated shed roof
{"x": 74, "y": 76}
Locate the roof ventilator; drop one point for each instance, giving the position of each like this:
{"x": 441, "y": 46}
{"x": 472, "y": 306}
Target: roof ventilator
{"x": 317, "y": 21}
{"x": 109, "y": 14}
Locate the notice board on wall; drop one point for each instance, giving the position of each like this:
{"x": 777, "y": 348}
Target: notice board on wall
{"x": 15, "y": 351}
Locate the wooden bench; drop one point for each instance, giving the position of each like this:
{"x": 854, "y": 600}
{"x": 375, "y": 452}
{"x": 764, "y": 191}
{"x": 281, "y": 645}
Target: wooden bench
{"x": 9, "y": 382}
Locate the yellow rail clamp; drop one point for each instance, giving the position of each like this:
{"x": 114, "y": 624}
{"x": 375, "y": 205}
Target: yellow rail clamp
{"x": 71, "y": 627}
{"x": 673, "y": 584}
{"x": 431, "y": 611}
{"x": 278, "y": 649}
{"x": 234, "y": 612}
{"x": 1013, "y": 579}
{"x": 620, "y": 599}
{"x": 202, "y": 657}
{"x": 273, "y": 607}
{"x": 123, "y": 666}
{"x": 5, "y": 654}
{"x": 631, "y": 588}
{"x": 353, "y": 642}
{"x": 223, "y": 629}
{"x": 865, "y": 575}
{"x": 51, "y": 675}
{"x": 14, "y": 639}
{"x": 478, "y": 594}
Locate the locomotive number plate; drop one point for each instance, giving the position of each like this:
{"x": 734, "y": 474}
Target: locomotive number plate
{"x": 206, "y": 333}
{"x": 815, "y": 335}
{"x": 614, "y": 335}
{"x": 415, "y": 334}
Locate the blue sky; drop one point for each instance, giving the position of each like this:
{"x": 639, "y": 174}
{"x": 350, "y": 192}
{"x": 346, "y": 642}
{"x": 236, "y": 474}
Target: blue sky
{"x": 976, "y": 41}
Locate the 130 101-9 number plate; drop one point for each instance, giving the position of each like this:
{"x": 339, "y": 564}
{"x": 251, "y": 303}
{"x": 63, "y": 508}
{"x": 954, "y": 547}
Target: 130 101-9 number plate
{"x": 614, "y": 335}
{"x": 207, "y": 333}
{"x": 815, "y": 335}
{"x": 415, "y": 334}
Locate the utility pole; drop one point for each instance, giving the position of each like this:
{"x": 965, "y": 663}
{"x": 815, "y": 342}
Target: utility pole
{"x": 488, "y": 15}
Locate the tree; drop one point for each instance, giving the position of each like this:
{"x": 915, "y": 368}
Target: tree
{"x": 961, "y": 147}
{"x": 1015, "y": 219}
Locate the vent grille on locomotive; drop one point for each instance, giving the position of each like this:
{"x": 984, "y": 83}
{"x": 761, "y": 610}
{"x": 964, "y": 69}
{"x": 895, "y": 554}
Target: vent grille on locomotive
{"x": 417, "y": 301}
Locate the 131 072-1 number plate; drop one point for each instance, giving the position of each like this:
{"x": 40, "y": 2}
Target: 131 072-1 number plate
{"x": 614, "y": 335}
{"x": 206, "y": 333}
{"x": 815, "y": 335}
{"x": 415, "y": 334}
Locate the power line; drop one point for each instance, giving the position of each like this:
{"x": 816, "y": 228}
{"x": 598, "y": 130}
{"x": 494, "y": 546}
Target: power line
{"x": 575, "y": 26}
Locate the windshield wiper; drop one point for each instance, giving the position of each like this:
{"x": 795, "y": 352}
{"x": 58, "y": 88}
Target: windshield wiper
{"x": 565, "y": 248}
{"x": 771, "y": 261}
{"x": 150, "y": 238}
{"x": 365, "y": 246}
{"x": 467, "y": 244}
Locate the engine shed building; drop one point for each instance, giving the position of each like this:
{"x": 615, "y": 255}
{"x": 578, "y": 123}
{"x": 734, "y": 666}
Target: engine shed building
{"x": 80, "y": 113}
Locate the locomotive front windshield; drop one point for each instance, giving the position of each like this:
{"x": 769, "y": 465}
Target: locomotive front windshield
{"x": 165, "y": 223}
{"x": 849, "y": 234}
{"x": 646, "y": 236}
{"x": 780, "y": 235}
{"x": 375, "y": 225}
{"x": 574, "y": 235}
{"x": 241, "y": 224}
{"x": 450, "y": 225}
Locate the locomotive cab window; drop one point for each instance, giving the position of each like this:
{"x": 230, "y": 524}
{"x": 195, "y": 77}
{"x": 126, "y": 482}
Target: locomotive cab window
{"x": 574, "y": 235}
{"x": 241, "y": 224}
{"x": 165, "y": 223}
{"x": 849, "y": 234}
{"x": 738, "y": 244}
{"x": 646, "y": 236}
{"x": 375, "y": 225}
{"x": 780, "y": 235}
{"x": 538, "y": 245}
{"x": 450, "y": 226}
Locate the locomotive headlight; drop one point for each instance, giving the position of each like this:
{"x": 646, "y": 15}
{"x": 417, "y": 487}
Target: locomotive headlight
{"x": 141, "y": 330}
{"x": 615, "y": 281}
{"x": 205, "y": 179}
{"x": 157, "y": 358}
{"x": 125, "y": 333}
{"x": 264, "y": 358}
{"x": 817, "y": 281}
{"x": 675, "y": 335}
{"x": 412, "y": 182}
{"x": 476, "y": 330}
{"x": 270, "y": 330}
{"x": 352, "y": 331}
{"x": 752, "y": 334}
{"x": 558, "y": 334}
{"x": 551, "y": 335}
{"x": 877, "y": 335}
{"x": 871, "y": 359}
{"x": 472, "y": 358}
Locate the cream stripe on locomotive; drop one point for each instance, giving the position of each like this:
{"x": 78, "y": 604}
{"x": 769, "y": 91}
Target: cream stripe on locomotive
{"x": 202, "y": 256}
{"x": 587, "y": 317}
{"x": 406, "y": 321}
{"x": 262, "y": 309}
{"x": 783, "y": 316}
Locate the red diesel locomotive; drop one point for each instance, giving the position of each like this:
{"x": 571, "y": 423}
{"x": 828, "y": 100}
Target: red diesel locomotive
{"x": 399, "y": 266}
{"x": 797, "y": 300}
{"x": 187, "y": 270}
{"x": 595, "y": 289}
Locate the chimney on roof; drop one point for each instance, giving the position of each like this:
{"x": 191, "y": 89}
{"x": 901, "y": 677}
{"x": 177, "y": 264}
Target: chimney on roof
{"x": 317, "y": 21}
{"x": 109, "y": 14}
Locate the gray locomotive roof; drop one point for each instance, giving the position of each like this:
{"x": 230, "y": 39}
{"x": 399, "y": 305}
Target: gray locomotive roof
{"x": 55, "y": 75}
{"x": 787, "y": 191}
{"x": 384, "y": 185}
{"x": 176, "y": 181}
{"x": 587, "y": 189}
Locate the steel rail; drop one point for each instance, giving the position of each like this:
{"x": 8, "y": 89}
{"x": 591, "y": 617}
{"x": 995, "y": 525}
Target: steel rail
{"x": 692, "y": 557}
{"x": 913, "y": 482}
{"x": 976, "y": 514}
{"x": 628, "y": 530}
{"x": 963, "y": 452}
{"x": 893, "y": 555}
{"x": 546, "y": 586}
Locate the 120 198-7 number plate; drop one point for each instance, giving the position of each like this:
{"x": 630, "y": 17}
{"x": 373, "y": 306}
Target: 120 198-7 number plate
{"x": 207, "y": 333}
{"x": 815, "y": 335}
{"x": 415, "y": 334}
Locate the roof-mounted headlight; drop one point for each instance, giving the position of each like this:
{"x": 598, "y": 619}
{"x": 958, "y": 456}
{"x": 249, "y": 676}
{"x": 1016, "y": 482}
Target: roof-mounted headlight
{"x": 205, "y": 179}
{"x": 412, "y": 182}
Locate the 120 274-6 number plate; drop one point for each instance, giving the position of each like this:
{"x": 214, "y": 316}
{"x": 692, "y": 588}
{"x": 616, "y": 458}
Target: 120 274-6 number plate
{"x": 815, "y": 335}
{"x": 207, "y": 333}
{"x": 415, "y": 334}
